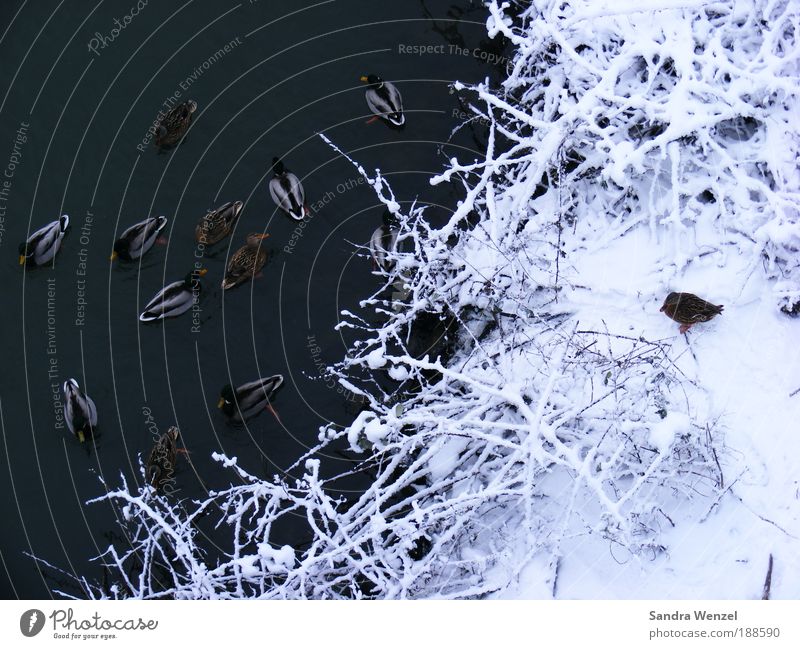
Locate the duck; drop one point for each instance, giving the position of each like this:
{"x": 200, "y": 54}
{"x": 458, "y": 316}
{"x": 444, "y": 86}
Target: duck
{"x": 249, "y": 399}
{"x": 174, "y": 124}
{"x": 287, "y": 191}
{"x": 217, "y": 224}
{"x": 174, "y": 299}
{"x": 688, "y": 309}
{"x": 384, "y": 100}
{"x": 79, "y": 411}
{"x": 246, "y": 261}
{"x": 42, "y": 246}
{"x": 160, "y": 464}
{"x": 138, "y": 239}
{"x": 384, "y": 241}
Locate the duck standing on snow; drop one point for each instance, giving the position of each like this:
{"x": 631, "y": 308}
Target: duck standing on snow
{"x": 249, "y": 399}
{"x": 43, "y": 244}
{"x": 384, "y": 241}
{"x": 160, "y": 465}
{"x": 174, "y": 124}
{"x": 174, "y": 299}
{"x": 246, "y": 261}
{"x": 217, "y": 224}
{"x": 138, "y": 239}
{"x": 688, "y": 309}
{"x": 383, "y": 99}
{"x": 287, "y": 191}
{"x": 79, "y": 411}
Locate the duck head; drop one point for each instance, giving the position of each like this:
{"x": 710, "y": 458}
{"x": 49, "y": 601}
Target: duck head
{"x": 277, "y": 166}
{"x": 227, "y": 399}
{"x": 373, "y": 80}
{"x": 194, "y": 277}
{"x": 670, "y": 299}
{"x": 254, "y": 239}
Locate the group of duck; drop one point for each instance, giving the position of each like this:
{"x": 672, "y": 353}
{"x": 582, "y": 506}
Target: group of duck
{"x": 286, "y": 190}
{"x": 241, "y": 403}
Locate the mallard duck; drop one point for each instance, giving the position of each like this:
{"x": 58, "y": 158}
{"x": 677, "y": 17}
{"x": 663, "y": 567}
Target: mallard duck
{"x": 138, "y": 238}
{"x": 287, "y": 191}
{"x": 160, "y": 464}
{"x": 43, "y": 244}
{"x": 383, "y": 241}
{"x": 384, "y": 100}
{"x": 174, "y": 299}
{"x": 688, "y": 309}
{"x": 79, "y": 411}
{"x": 246, "y": 261}
{"x": 174, "y": 124}
{"x": 249, "y": 399}
{"x": 218, "y": 223}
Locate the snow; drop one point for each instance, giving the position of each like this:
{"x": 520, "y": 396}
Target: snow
{"x": 663, "y": 433}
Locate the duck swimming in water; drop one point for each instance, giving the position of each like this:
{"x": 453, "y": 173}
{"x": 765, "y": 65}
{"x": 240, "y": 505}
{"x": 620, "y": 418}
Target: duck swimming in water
{"x": 384, "y": 241}
{"x": 246, "y": 261}
{"x": 384, "y": 100}
{"x": 160, "y": 465}
{"x": 138, "y": 239}
{"x": 249, "y": 399}
{"x": 218, "y": 223}
{"x": 79, "y": 411}
{"x": 42, "y": 246}
{"x": 174, "y": 124}
{"x": 174, "y": 299}
{"x": 287, "y": 191}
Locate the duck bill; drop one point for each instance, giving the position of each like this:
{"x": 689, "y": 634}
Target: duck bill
{"x": 365, "y": 79}
{"x": 221, "y": 402}
{"x": 261, "y": 237}
{"x": 81, "y": 437}
{"x": 202, "y": 272}
{"x": 113, "y": 256}
{"x": 22, "y": 260}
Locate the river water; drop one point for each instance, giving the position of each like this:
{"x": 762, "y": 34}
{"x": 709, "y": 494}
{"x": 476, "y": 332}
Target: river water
{"x": 80, "y": 87}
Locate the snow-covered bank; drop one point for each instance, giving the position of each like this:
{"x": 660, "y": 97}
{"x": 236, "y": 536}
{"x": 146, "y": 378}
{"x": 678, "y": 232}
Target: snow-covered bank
{"x": 565, "y": 440}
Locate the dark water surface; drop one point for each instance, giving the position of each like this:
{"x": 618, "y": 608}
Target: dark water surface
{"x": 72, "y": 120}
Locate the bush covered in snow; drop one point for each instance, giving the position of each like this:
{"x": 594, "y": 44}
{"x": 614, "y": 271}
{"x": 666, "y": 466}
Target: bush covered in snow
{"x": 506, "y": 412}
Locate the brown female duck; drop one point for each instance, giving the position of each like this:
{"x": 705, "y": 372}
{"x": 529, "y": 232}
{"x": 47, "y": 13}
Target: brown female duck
{"x": 688, "y": 309}
{"x": 246, "y": 261}
{"x": 218, "y": 223}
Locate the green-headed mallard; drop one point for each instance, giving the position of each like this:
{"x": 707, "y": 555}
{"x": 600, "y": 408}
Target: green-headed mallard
{"x": 688, "y": 309}
{"x": 160, "y": 465}
{"x": 138, "y": 238}
{"x": 246, "y": 261}
{"x": 174, "y": 124}
{"x": 384, "y": 100}
{"x": 174, "y": 299}
{"x": 249, "y": 399}
{"x": 43, "y": 244}
{"x": 217, "y": 224}
{"x": 287, "y": 191}
{"x": 79, "y": 411}
{"x": 384, "y": 241}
